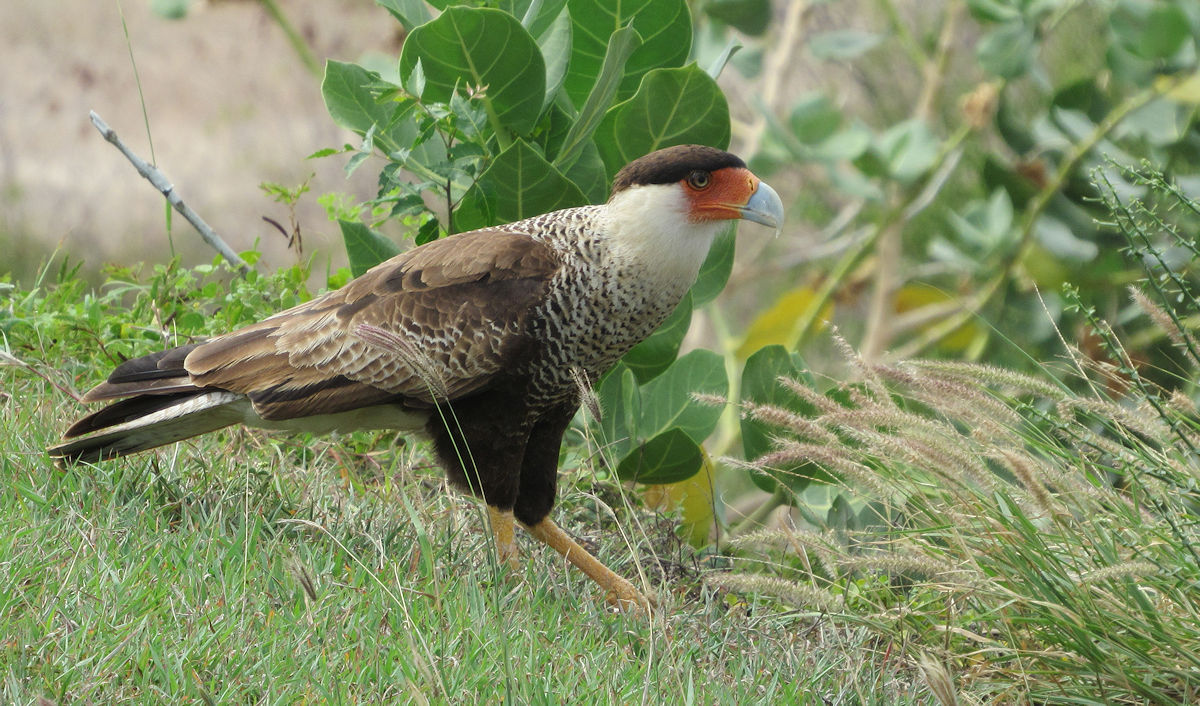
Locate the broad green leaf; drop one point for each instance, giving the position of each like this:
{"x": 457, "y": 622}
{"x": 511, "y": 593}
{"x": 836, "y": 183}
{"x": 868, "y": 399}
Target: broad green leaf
{"x": 589, "y": 175}
{"x": 536, "y": 15}
{"x": 518, "y": 184}
{"x": 352, "y": 105}
{"x": 841, "y": 516}
{"x": 842, "y": 44}
{"x": 621, "y": 409}
{"x": 555, "y": 45}
{"x": 667, "y": 399}
{"x": 622, "y": 43}
{"x": 480, "y": 50}
{"x": 665, "y": 27}
{"x": 747, "y": 16}
{"x": 760, "y": 384}
{"x": 667, "y": 458}
{"x": 364, "y": 247}
{"x": 1008, "y": 50}
{"x": 410, "y": 13}
{"x": 652, "y": 356}
{"x": 671, "y": 107}
{"x": 714, "y": 273}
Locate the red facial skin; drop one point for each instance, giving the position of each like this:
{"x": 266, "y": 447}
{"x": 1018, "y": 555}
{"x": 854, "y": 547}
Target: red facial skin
{"x": 722, "y": 197}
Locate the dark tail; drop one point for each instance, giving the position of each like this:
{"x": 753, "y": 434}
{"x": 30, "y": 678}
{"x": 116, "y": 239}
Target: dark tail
{"x": 156, "y": 405}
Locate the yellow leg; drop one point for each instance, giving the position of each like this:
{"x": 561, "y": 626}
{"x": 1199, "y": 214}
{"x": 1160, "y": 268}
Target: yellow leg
{"x": 502, "y": 529}
{"x": 618, "y": 591}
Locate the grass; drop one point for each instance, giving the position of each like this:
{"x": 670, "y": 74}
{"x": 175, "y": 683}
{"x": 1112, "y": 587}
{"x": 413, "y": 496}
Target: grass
{"x": 241, "y": 569}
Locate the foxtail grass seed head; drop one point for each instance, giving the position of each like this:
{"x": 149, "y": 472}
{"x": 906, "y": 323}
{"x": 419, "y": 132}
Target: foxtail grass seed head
{"x": 1028, "y": 471}
{"x": 937, "y": 678}
{"x": 809, "y": 395}
{"x": 710, "y": 400}
{"x": 794, "y": 594}
{"x": 1125, "y": 570}
{"x": 990, "y": 375}
{"x": 425, "y": 368}
{"x": 587, "y": 395}
{"x": 787, "y": 419}
{"x": 1162, "y": 319}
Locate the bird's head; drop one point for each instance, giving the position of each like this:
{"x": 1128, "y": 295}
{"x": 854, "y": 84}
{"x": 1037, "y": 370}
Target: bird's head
{"x": 699, "y": 184}
{"x": 667, "y": 207}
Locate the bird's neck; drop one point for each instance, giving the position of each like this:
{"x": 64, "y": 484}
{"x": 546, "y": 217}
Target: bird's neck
{"x": 648, "y": 231}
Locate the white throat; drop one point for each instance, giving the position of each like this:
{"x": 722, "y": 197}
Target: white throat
{"x": 649, "y": 228}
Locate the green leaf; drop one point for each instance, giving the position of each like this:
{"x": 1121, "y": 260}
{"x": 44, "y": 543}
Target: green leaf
{"x": 621, "y": 408}
{"x": 518, "y": 184}
{"x": 760, "y": 384}
{"x": 1150, "y": 30}
{"x": 717, "y": 65}
{"x": 667, "y": 399}
{"x": 622, "y": 43}
{"x": 1008, "y": 50}
{"x": 669, "y": 457}
{"x": 589, "y": 175}
{"x": 555, "y": 45}
{"x": 908, "y": 150}
{"x": 665, "y": 27}
{"x": 994, "y": 10}
{"x": 841, "y": 515}
{"x": 842, "y": 44}
{"x": 349, "y": 100}
{"x": 747, "y": 16}
{"x": 652, "y": 356}
{"x": 410, "y": 13}
{"x": 714, "y": 273}
{"x": 473, "y": 49}
{"x": 365, "y": 247}
{"x": 170, "y": 9}
{"x": 814, "y": 118}
{"x": 671, "y": 107}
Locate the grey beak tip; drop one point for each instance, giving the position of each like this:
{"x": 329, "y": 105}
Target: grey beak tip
{"x": 765, "y": 207}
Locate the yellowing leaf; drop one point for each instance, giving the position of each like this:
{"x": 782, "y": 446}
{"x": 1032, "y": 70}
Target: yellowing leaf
{"x": 1185, "y": 91}
{"x": 780, "y": 324}
{"x": 693, "y": 496}
{"x": 916, "y": 296}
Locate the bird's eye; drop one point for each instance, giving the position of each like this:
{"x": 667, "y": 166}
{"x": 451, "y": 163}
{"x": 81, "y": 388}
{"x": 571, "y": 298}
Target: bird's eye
{"x": 699, "y": 179}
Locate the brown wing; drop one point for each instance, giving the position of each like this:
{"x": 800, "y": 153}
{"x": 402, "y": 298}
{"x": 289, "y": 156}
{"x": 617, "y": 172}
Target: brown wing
{"x": 437, "y": 322}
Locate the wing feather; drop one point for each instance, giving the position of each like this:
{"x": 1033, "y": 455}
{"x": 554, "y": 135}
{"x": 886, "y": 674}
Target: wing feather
{"x": 456, "y": 310}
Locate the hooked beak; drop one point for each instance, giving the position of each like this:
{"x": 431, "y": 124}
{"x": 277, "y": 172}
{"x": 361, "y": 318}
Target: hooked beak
{"x": 764, "y": 207}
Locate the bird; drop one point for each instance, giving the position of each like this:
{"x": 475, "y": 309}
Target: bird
{"x": 477, "y": 341}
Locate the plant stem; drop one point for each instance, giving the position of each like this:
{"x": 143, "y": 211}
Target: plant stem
{"x": 763, "y": 511}
{"x": 293, "y": 36}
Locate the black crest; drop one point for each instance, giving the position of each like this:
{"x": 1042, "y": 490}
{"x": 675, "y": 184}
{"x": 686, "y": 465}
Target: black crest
{"x": 669, "y": 165}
